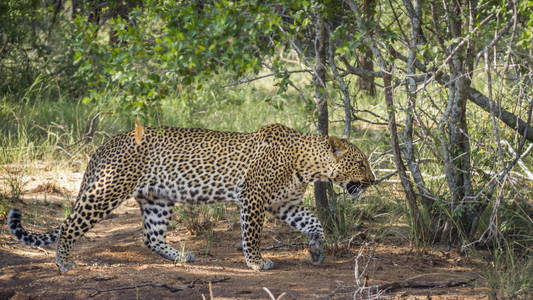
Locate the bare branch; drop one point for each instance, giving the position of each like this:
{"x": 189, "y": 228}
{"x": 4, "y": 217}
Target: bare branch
{"x": 494, "y": 123}
{"x": 386, "y": 72}
{"x": 415, "y": 13}
{"x": 344, "y": 89}
{"x": 480, "y": 100}
{"x": 366, "y": 74}
{"x": 265, "y": 76}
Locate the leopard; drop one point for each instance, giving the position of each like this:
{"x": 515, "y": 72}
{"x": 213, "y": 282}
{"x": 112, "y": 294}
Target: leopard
{"x": 267, "y": 170}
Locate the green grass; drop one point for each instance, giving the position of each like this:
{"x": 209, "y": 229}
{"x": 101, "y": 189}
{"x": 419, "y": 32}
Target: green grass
{"x": 42, "y": 129}
{"x": 509, "y": 276}
{"x": 50, "y": 129}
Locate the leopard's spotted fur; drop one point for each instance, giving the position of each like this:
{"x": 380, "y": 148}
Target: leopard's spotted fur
{"x": 266, "y": 170}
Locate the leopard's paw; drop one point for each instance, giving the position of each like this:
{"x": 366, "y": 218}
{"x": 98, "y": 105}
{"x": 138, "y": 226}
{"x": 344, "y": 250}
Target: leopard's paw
{"x": 189, "y": 257}
{"x": 185, "y": 257}
{"x": 64, "y": 264}
{"x": 263, "y": 264}
{"x": 316, "y": 251}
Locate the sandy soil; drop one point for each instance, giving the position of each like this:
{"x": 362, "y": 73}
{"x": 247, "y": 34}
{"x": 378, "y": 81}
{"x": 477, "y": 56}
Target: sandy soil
{"x": 112, "y": 262}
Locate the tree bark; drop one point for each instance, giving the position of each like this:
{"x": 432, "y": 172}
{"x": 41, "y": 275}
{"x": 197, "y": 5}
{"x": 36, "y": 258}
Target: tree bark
{"x": 415, "y": 13}
{"x": 364, "y": 60}
{"x": 321, "y": 188}
{"x": 406, "y": 183}
{"x": 456, "y": 150}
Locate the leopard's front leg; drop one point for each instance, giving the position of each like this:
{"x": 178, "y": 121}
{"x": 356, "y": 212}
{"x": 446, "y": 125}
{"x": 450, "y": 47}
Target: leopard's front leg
{"x": 252, "y": 218}
{"x": 294, "y": 214}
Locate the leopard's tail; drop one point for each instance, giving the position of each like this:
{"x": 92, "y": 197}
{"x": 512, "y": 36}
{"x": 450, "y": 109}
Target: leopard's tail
{"x": 28, "y": 238}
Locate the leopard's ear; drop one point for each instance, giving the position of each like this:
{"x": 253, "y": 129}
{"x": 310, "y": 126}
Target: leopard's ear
{"x": 337, "y": 147}
{"x": 139, "y": 132}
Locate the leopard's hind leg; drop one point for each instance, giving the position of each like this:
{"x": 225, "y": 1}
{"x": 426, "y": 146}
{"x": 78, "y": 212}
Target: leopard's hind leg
{"x": 93, "y": 204}
{"x": 156, "y": 217}
{"x": 109, "y": 179}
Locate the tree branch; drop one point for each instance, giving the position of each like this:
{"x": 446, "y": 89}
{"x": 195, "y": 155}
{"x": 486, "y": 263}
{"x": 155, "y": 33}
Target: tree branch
{"x": 480, "y": 100}
{"x": 344, "y": 88}
{"x": 265, "y": 76}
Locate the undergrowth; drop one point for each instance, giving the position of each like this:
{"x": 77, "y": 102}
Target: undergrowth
{"x": 509, "y": 276}
{"x": 199, "y": 219}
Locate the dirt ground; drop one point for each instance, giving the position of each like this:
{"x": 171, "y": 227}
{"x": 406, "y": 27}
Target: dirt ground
{"x": 113, "y": 263}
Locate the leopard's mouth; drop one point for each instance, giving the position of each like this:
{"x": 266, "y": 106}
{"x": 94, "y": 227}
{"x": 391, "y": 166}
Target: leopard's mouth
{"x": 354, "y": 188}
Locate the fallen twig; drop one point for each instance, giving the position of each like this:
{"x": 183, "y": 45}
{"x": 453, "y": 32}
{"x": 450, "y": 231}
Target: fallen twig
{"x": 170, "y": 288}
{"x": 101, "y": 278}
{"x": 173, "y": 289}
{"x": 226, "y": 278}
{"x": 361, "y": 276}
{"x": 413, "y": 283}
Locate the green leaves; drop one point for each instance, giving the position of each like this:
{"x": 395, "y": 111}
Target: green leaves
{"x": 526, "y": 38}
{"x": 167, "y": 43}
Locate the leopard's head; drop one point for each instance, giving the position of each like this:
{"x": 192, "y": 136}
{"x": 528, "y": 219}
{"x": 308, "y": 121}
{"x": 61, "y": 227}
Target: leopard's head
{"x": 350, "y": 168}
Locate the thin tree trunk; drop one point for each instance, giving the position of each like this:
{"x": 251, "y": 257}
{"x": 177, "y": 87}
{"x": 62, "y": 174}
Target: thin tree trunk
{"x": 415, "y": 12}
{"x": 406, "y": 183}
{"x": 321, "y": 188}
{"x": 386, "y": 72}
{"x": 344, "y": 88}
{"x": 75, "y": 5}
{"x": 456, "y": 152}
{"x": 364, "y": 60}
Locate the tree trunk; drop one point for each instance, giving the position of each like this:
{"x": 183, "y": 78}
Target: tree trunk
{"x": 415, "y": 13}
{"x": 321, "y": 188}
{"x": 75, "y": 8}
{"x": 364, "y": 60}
{"x": 406, "y": 184}
{"x": 456, "y": 151}
{"x": 344, "y": 88}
